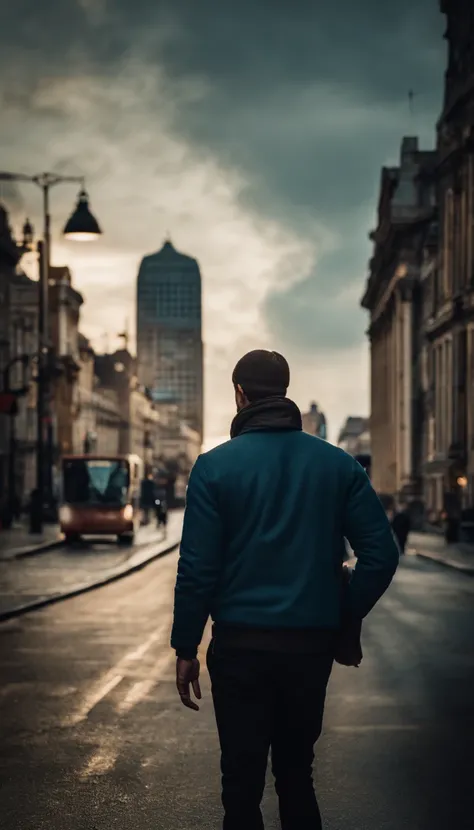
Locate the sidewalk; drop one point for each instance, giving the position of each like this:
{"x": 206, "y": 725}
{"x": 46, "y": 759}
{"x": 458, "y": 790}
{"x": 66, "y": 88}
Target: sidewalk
{"x": 18, "y": 539}
{"x": 458, "y": 555}
{"x": 26, "y": 584}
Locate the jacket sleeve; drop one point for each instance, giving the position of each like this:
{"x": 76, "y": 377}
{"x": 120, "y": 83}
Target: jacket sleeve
{"x": 368, "y": 530}
{"x": 199, "y": 563}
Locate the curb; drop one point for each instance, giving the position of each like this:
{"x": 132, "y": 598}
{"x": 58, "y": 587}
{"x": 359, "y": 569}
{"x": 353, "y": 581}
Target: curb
{"x": 44, "y": 547}
{"x": 85, "y": 587}
{"x": 447, "y": 563}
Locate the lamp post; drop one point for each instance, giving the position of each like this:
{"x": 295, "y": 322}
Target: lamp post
{"x": 81, "y": 226}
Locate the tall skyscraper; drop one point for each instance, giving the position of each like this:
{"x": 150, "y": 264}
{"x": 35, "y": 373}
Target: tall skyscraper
{"x": 169, "y": 330}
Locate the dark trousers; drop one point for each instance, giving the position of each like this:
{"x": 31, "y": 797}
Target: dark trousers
{"x": 263, "y": 701}
{"x": 162, "y": 518}
{"x": 452, "y": 530}
{"x": 402, "y": 541}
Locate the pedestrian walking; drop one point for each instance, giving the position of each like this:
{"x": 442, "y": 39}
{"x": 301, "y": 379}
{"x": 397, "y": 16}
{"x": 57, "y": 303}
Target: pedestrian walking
{"x": 262, "y": 549}
{"x": 147, "y": 498}
{"x": 35, "y": 511}
{"x": 453, "y": 513}
{"x": 161, "y": 509}
{"x": 401, "y": 526}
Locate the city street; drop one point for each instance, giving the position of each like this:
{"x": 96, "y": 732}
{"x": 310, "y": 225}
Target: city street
{"x": 94, "y": 736}
{"x": 254, "y": 230}
{"x": 68, "y": 568}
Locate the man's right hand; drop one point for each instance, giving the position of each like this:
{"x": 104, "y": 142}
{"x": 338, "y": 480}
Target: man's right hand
{"x": 187, "y": 674}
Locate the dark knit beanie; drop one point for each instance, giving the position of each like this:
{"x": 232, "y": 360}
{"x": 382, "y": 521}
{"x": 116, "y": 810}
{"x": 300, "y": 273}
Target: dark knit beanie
{"x": 262, "y": 374}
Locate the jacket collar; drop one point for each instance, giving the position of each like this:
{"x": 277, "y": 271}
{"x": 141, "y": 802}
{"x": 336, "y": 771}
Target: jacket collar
{"x": 267, "y": 415}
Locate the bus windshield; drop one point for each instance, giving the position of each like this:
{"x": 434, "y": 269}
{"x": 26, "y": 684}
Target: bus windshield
{"x": 95, "y": 482}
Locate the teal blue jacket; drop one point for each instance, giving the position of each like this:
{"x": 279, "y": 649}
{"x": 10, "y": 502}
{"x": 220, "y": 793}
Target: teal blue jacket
{"x": 263, "y": 538}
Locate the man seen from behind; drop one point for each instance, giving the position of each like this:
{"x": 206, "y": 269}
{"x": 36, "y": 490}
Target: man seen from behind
{"x": 263, "y": 543}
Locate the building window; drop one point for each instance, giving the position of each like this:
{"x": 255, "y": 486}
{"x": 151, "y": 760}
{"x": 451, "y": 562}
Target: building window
{"x": 448, "y": 243}
{"x": 470, "y": 220}
{"x": 438, "y": 351}
{"x": 462, "y": 237}
{"x": 436, "y": 292}
{"x": 470, "y": 389}
{"x": 448, "y": 395}
{"x": 427, "y": 295}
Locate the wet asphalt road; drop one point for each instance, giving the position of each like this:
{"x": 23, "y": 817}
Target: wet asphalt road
{"x": 94, "y": 737}
{"x": 63, "y": 569}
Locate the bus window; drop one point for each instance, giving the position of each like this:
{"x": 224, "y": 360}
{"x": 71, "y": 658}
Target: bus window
{"x": 95, "y": 481}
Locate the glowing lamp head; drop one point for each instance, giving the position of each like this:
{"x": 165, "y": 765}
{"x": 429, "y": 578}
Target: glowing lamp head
{"x": 82, "y": 226}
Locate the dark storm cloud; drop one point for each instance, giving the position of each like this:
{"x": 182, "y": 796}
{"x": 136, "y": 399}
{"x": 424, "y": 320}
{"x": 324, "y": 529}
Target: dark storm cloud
{"x": 307, "y": 99}
{"x": 312, "y": 100}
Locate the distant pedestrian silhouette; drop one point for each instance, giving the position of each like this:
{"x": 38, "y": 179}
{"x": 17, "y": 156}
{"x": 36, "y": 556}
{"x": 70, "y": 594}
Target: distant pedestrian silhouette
{"x": 401, "y": 525}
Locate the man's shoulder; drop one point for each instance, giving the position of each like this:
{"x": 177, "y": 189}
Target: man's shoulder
{"x": 312, "y": 444}
{"x": 327, "y": 450}
{"x": 217, "y": 454}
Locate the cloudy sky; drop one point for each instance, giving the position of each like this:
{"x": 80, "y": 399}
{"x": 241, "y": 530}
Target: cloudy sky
{"x": 252, "y": 131}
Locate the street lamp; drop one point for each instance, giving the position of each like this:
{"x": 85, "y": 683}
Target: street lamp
{"x": 28, "y": 235}
{"x": 81, "y": 225}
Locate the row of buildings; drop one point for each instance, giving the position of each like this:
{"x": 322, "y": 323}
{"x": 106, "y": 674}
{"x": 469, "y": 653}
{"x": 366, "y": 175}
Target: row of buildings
{"x": 354, "y": 436}
{"x": 99, "y": 403}
{"x": 420, "y": 297}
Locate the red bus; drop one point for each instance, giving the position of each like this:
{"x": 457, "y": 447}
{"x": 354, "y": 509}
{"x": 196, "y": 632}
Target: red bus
{"x": 100, "y": 496}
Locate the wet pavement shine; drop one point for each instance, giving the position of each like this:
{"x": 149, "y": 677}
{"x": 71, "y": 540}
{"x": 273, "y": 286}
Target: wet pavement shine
{"x": 94, "y": 737}
{"x": 68, "y": 567}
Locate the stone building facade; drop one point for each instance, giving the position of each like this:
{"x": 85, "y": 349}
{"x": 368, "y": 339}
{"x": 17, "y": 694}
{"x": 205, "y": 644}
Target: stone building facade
{"x": 96, "y": 417}
{"x": 64, "y": 307}
{"x": 18, "y": 344}
{"x": 139, "y": 418}
{"x": 420, "y": 295}
{"x": 406, "y": 211}
{"x": 449, "y": 279}
{"x": 354, "y": 436}
{"x": 23, "y": 336}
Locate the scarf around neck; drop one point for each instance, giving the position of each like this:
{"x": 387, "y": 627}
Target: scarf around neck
{"x": 267, "y": 415}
